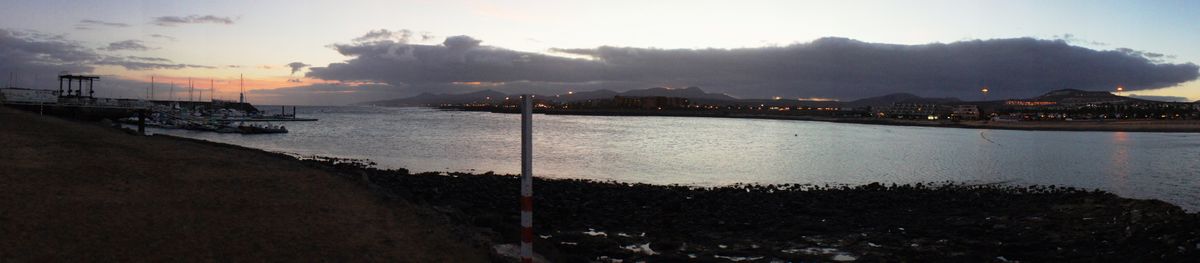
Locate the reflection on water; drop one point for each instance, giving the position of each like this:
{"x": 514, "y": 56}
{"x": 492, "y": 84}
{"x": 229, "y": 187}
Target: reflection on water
{"x": 715, "y": 151}
{"x": 1120, "y": 160}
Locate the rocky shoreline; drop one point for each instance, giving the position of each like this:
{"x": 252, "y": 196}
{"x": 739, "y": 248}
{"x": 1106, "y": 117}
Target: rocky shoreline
{"x": 581, "y": 221}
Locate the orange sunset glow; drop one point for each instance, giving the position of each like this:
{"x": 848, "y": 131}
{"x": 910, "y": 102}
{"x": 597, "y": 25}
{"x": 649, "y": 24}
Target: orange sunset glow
{"x": 226, "y": 87}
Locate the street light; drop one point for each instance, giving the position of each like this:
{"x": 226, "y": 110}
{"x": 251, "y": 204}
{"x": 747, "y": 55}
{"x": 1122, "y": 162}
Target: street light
{"x": 985, "y": 92}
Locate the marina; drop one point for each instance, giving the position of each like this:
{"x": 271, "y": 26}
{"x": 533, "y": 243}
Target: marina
{"x": 76, "y": 98}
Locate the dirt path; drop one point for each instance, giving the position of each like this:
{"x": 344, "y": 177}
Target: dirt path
{"x": 74, "y": 191}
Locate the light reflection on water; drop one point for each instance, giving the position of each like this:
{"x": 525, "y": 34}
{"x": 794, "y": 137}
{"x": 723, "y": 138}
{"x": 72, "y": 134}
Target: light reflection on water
{"x": 1120, "y": 161}
{"x": 716, "y": 151}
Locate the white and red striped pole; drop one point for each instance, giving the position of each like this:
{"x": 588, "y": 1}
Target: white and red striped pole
{"x": 527, "y": 179}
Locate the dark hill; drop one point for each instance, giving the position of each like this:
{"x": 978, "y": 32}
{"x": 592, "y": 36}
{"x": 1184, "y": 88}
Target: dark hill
{"x": 1081, "y": 96}
{"x": 899, "y": 98}
{"x": 427, "y": 99}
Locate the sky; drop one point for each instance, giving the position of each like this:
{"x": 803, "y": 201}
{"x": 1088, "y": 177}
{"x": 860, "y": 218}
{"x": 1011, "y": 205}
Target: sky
{"x": 350, "y": 51}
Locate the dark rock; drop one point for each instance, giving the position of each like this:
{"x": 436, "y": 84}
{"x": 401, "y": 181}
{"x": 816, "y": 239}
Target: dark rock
{"x": 946, "y": 222}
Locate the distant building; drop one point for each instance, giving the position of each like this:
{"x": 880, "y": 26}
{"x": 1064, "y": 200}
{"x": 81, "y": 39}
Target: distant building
{"x": 28, "y": 96}
{"x": 650, "y": 103}
{"x": 1029, "y": 103}
{"x": 515, "y": 102}
{"x": 920, "y": 111}
{"x": 966, "y": 112}
{"x": 1007, "y": 118}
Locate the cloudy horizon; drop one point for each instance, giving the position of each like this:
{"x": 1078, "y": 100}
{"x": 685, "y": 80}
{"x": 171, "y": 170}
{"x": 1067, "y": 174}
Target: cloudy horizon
{"x": 316, "y": 62}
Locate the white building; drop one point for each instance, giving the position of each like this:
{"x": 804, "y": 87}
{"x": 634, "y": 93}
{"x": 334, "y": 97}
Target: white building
{"x": 28, "y": 96}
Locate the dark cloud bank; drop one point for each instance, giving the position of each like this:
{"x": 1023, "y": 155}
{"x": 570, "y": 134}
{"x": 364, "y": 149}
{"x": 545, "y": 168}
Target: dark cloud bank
{"x": 297, "y": 66}
{"x": 26, "y": 51}
{"x": 35, "y": 59}
{"x": 326, "y": 94}
{"x": 828, "y": 67}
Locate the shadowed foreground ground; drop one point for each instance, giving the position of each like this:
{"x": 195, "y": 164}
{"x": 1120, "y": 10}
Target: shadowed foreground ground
{"x": 74, "y": 191}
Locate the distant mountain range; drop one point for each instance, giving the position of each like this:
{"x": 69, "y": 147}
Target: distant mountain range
{"x": 1062, "y": 96}
{"x": 898, "y": 98}
{"x": 425, "y": 99}
{"x": 697, "y": 95}
{"x": 1082, "y": 96}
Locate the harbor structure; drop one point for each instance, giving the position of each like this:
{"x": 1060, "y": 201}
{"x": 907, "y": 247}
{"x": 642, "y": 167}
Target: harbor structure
{"x": 75, "y": 85}
{"x": 77, "y": 98}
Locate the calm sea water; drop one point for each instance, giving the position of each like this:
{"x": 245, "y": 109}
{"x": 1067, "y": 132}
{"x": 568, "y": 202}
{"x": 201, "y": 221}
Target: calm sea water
{"x": 716, "y": 151}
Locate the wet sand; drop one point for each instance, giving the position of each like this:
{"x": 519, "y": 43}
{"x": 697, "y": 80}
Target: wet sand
{"x": 73, "y": 191}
